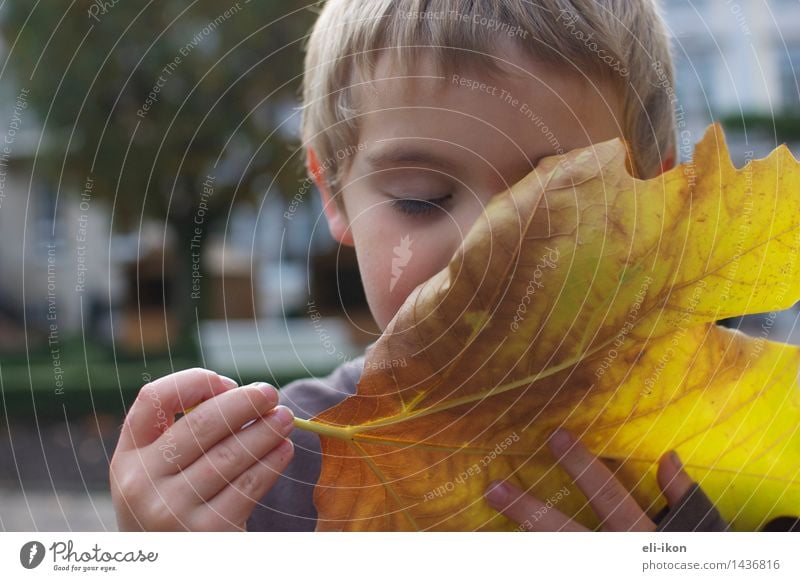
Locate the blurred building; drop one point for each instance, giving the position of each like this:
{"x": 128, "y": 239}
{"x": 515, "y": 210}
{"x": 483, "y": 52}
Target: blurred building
{"x": 64, "y": 273}
{"x": 736, "y": 58}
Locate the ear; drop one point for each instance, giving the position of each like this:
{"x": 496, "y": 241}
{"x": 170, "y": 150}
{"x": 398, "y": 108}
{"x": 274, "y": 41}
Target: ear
{"x": 337, "y": 220}
{"x": 667, "y": 164}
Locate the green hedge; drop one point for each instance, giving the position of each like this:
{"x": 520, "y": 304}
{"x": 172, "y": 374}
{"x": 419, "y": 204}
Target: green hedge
{"x": 785, "y": 126}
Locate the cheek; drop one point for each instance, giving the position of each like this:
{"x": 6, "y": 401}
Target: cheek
{"x": 396, "y": 255}
{"x": 389, "y": 262}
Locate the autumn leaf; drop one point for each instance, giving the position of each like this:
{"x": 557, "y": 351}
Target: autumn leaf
{"x": 585, "y": 298}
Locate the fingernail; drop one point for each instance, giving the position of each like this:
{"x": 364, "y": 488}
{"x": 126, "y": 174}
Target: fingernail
{"x": 676, "y": 460}
{"x": 561, "y": 440}
{"x": 268, "y": 389}
{"x": 228, "y": 381}
{"x": 284, "y": 447}
{"x": 498, "y": 493}
{"x": 284, "y": 416}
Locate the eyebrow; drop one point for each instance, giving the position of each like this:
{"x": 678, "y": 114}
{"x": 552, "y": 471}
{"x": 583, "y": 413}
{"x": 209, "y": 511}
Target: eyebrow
{"x": 404, "y": 155}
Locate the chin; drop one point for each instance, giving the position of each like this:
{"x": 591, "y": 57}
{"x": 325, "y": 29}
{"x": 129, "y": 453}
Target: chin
{"x": 384, "y": 313}
{"x": 385, "y": 305}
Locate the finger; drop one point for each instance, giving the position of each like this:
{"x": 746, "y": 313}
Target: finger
{"x": 528, "y": 511}
{"x": 672, "y": 479}
{"x": 617, "y": 510}
{"x": 236, "y": 501}
{"x": 228, "y": 459}
{"x": 214, "y": 420}
{"x": 155, "y": 406}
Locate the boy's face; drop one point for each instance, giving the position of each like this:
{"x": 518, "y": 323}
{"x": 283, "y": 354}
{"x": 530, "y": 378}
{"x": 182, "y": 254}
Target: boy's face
{"x": 432, "y": 151}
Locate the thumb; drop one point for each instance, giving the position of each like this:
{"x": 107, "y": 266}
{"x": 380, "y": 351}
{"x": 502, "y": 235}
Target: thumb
{"x": 672, "y": 479}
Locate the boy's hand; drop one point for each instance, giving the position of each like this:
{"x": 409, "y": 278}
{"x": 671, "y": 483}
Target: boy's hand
{"x": 617, "y": 510}
{"x": 203, "y": 472}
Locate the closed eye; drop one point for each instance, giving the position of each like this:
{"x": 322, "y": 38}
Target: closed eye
{"x": 419, "y": 207}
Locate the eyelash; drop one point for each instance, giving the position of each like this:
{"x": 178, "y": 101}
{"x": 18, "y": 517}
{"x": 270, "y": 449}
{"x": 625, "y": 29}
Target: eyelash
{"x": 418, "y": 207}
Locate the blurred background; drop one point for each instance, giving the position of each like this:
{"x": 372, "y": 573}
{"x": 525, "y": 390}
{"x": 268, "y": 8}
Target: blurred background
{"x": 155, "y": 215}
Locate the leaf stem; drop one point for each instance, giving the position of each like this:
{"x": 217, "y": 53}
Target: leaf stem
{"x": 341, "y": 432}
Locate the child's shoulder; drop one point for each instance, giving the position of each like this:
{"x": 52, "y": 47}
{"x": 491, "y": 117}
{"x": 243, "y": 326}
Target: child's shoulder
{"x": 309, "y": 396}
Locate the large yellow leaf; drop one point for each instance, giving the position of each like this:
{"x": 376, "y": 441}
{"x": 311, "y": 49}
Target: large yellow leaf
{"x": 585, "y": 298}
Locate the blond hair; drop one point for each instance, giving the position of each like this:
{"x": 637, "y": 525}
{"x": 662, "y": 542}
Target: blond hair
{"x": 623, "y": 41}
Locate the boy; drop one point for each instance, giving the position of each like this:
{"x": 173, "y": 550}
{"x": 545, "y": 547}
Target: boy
{"x": 406, "y": 146}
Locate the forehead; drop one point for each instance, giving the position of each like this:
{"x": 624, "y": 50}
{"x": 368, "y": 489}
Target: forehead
{"x": 525, "y": 111}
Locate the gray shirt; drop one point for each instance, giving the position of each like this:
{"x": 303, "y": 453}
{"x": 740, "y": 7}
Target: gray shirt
{"x": 289, "y": 505}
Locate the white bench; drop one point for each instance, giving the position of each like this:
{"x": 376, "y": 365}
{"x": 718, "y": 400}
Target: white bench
{"x": 280, "y": 348}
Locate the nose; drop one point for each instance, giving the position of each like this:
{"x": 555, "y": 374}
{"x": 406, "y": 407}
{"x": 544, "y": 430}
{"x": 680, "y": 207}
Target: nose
{"x": 462, "y": 223}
